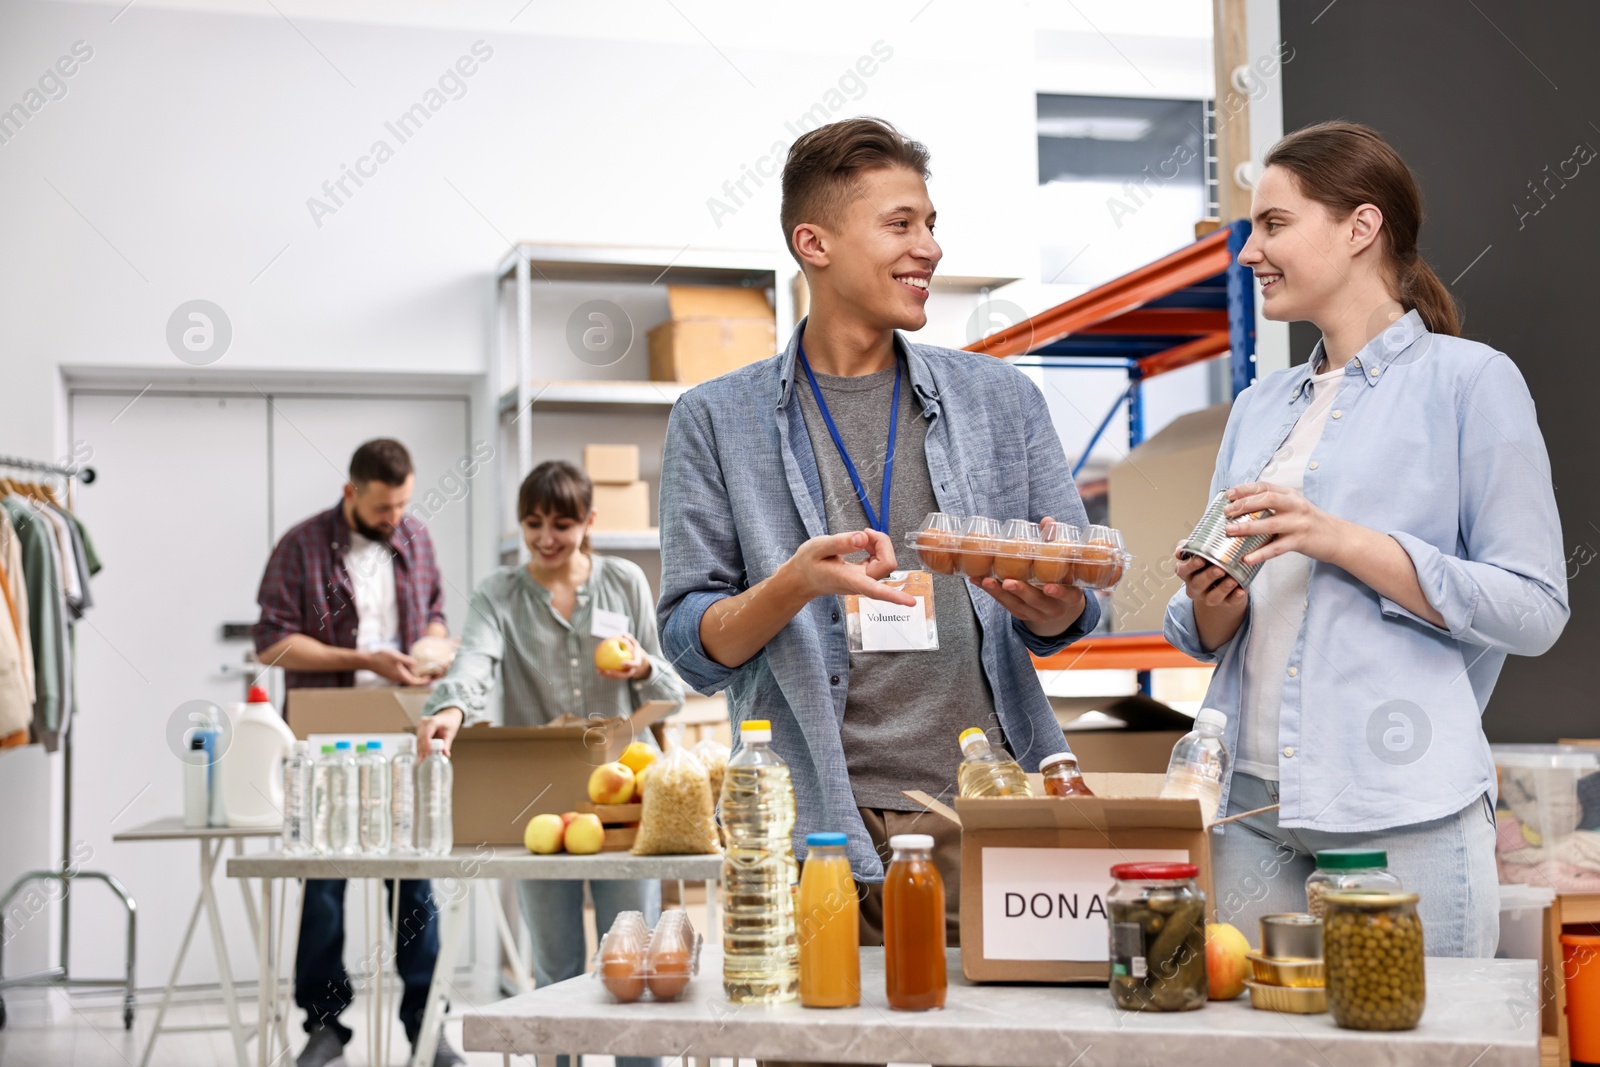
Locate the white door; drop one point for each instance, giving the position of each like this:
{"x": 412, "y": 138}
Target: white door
{"x": 178, "y": 515}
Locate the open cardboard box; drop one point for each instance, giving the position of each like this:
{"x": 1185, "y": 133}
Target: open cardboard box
{"x": 1035, "y": 872}
{"x": 374, "y": 710}
{"x": 505, "y": 775}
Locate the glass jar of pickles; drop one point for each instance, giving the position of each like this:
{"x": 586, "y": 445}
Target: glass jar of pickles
{"x": 1348, "y": 868}
{"x": 1372, "y": 952}
{"x": 1158, "y": 937}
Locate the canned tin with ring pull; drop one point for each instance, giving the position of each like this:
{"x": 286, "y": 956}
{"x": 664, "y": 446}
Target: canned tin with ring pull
{"x": 1212, "y": 544}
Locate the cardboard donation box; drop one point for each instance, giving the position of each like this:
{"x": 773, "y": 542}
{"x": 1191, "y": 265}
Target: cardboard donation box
{"x": 1035, "y": 872}
{"x": 622, "y": 507}
{"x": 505, "y": 775}
{"x": 377, "y": 710}
{"x": 611, "y": 464}
{"x": 1157, "y": 493}
{"x": 712, "y": 330}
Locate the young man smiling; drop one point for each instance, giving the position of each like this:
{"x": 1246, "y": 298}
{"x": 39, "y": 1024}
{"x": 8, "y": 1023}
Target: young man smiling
{"x": 787, "y": 485}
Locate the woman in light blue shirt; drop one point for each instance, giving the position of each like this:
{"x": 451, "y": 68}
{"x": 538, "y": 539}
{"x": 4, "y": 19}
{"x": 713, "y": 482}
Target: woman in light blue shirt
{"x": 1417, "y": 545}
{"x": 530, "y": 633}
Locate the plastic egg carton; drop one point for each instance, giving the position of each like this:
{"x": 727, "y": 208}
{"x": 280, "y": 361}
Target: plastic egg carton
{"x": 1091, "y": 557}
{"x": 634, "y": 961}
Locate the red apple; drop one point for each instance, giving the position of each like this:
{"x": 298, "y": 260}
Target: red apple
{"x": 611, "y": 783}
{"x": 585, "y": 835}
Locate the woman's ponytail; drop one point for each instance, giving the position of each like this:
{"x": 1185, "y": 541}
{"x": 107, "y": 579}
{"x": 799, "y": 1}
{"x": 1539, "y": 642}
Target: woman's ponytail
{"x": 1342, "y": 165}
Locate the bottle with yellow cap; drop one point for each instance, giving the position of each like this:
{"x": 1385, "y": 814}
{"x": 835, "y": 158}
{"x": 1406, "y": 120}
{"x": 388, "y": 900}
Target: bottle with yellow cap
{"x": 761, "y": 952}
{"x": 987, "y": 773}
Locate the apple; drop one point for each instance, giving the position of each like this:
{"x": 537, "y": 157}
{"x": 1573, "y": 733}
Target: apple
{"x": 1227, "y": 965}
{"x": 639, "y": 778}
{"x": 567, "y": 817}
{"x": 544, "y": 834}
{"x": 585, "y": 835}
{"x": 611, "y": 783}
{"x": 613, "y": 654}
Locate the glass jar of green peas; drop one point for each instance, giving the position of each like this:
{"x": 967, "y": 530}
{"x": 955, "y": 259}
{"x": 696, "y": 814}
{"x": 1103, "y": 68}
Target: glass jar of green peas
{"x": 1372, "y": 951}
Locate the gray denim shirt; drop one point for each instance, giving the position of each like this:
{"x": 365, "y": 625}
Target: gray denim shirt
{"x": 740, "y": 492}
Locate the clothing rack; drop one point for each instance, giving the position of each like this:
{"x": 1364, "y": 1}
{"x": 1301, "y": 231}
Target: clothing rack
{"x": 66, "y": 874}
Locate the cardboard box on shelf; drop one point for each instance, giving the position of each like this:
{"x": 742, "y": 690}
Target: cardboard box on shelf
{"x": 1035, "y": 872}
{"x": 712, "y": 330}
{"x": 505, "y": 775}
{"x": 622, "y": 507}
{"x": 611, "y": 464}
{"x": 1157, "y": 493}
{"x": 377, "y": 710}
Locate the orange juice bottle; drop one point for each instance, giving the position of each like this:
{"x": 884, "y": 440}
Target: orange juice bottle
{"x": 913, "y": 925}
{"x": 828, "y": 924}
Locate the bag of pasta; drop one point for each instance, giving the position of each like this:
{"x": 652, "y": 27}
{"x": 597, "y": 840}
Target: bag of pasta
{"x": 677, "y": 816}
{"x": 714, "y": 754}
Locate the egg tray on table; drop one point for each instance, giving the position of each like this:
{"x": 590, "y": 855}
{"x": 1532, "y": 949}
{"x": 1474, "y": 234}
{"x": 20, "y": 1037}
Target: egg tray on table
{"x": 634, "y": 962}
{"x": 1090, "y": 557}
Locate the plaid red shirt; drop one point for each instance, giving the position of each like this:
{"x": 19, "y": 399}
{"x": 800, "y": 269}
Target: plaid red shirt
{"x": 306, "y": 590}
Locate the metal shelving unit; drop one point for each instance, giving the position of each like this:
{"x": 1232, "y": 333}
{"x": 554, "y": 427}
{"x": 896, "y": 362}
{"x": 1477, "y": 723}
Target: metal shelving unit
{"x": 1194, "y": 305}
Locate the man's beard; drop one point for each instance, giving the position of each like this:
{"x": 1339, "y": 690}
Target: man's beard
{"x": 371, "y": 533}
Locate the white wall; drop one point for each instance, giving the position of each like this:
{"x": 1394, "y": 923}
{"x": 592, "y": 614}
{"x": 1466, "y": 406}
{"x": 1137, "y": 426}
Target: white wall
{"x": 180, "y": 159}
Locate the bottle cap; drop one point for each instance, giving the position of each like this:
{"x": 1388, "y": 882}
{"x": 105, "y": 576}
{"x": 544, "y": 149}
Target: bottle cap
{"x": 1351, "y": 859}
{"x": 911, "y": 842}
{"x": 969, "y": 734}
{"x": 1059, "y": 757}
{"x": 1154, "y": 872}
{"x": 341, "y": 745}
{"x": 755, "y": 730}
{"x": 826, "y": 840}
{"x": 258, "y": 695}
{"x": 374, "y": 746}
{"x": 302, "y": 747}
{"x": 327, "y": 750}
{"x": 1211, "y": 717}
{"x": 361, "y": 747}
{"x": 436, "y": 745}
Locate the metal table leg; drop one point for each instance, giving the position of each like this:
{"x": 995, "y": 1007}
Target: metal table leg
{"x": 452, "y": 918}
{"x": 210, "y": 852}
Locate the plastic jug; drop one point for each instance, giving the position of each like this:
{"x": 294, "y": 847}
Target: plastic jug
{"x": 252, "y": 768}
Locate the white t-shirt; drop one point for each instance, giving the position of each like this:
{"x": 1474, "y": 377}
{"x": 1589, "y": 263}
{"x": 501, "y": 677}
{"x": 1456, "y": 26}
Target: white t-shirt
{"x": 370, "y": 565}
{"x": 1278, "y": 594}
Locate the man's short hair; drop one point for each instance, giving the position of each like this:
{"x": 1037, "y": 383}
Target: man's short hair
{"x": 383, "y": 460}
{"x": 818, "y": 178}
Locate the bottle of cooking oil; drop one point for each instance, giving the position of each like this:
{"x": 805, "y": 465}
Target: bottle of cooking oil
{"x": 761, "y": 952}
{"x": 987, "y": 773}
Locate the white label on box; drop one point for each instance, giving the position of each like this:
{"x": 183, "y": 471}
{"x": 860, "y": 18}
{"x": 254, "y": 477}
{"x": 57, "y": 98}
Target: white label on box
{"x": 1049, "y": 903}
{"x": 604, "y": 624}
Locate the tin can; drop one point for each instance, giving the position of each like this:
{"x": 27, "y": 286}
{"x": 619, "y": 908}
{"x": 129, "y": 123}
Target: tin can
{"x": 1210, "y": 543}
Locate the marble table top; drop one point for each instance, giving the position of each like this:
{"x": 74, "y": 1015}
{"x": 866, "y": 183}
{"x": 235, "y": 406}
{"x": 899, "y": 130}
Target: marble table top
{"x": 1480, "y": 1012}
{"x": 481, "y": 861}
{"x": 173, "y": 828}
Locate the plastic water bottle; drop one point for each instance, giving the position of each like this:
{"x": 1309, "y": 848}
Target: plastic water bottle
{"x": 761, "y": 952}
{"x": 987, "y": 773}
{"x": 321, "y": 801}
{"x": 374, "y": 775}
{"x": 344, "y": 802}
{"x": 403, "y": 798}
{"x": 434, "y": 783}
{"x": 1200, "y": 763}
{"x": 297, "y": 800}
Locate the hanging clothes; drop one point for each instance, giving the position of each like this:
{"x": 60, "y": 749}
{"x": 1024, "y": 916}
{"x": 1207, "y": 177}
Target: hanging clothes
{"x": 47, "y": 619}
{"x": 16, "y": 593}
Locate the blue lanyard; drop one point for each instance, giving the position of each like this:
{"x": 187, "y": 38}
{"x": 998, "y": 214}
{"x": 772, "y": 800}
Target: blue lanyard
{"x": 878, "y": 520}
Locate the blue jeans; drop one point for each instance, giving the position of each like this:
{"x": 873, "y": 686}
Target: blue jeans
{"x": 321, "y": 986}
{"x": 554, "y": 913}
{"x": 1259, "y": 868}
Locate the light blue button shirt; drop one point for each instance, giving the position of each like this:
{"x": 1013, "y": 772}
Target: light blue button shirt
{"x": 1432, "y": 440}
{"x": 740, "y": 492}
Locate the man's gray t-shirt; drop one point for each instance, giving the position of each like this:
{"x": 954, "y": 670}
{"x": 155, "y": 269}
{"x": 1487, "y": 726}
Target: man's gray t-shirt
{"x": 904, "y": 710}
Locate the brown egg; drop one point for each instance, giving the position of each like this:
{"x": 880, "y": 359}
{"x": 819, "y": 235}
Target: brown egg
{"x": 1056, "y": 565}
{"x": 670, "y": 975}
{"x": 977, "y": 555}
{"x": 1010, "y": 561}
{"x": 1100, "y": 568}
{"x": 622, "y": 975}
{"x": 937, "y": 549}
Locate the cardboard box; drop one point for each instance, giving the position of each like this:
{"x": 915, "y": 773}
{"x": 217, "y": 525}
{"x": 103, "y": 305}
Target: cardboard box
{"x": 1157, "y": 494}
{"x": 622, "y": 507}
{"x": 611, "y": 464}
{"x": 378, "y": 710}
{"x": 1124, "y": 751}
{"x": 1035, "y": 873}
{"x": 712, "y": 330}
{"x": 505, "y": 775}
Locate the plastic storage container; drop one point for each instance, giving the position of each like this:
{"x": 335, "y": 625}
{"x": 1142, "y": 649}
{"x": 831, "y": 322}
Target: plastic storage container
{"x": 1373, "y": 951}
{"x": 1348, "y": 868}
{"x": 1548, "y": 818}
{"x": 1158, "y": 937}
{"x": 980, "y": 547}
{"x": 1522, "y": 909}
{"x": 634, "y": 960}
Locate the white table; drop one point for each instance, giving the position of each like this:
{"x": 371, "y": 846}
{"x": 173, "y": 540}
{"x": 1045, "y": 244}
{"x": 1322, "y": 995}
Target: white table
{"x": 211, "y": 839}
{"x": 1480, "y": 1012}
{"x": 463, "y": 866}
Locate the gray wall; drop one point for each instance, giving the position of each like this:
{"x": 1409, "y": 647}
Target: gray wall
{"x": 1479, "y": 108}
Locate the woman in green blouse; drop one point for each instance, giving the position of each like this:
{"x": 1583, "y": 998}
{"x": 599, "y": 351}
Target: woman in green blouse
{"x": 530, "y": 633}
